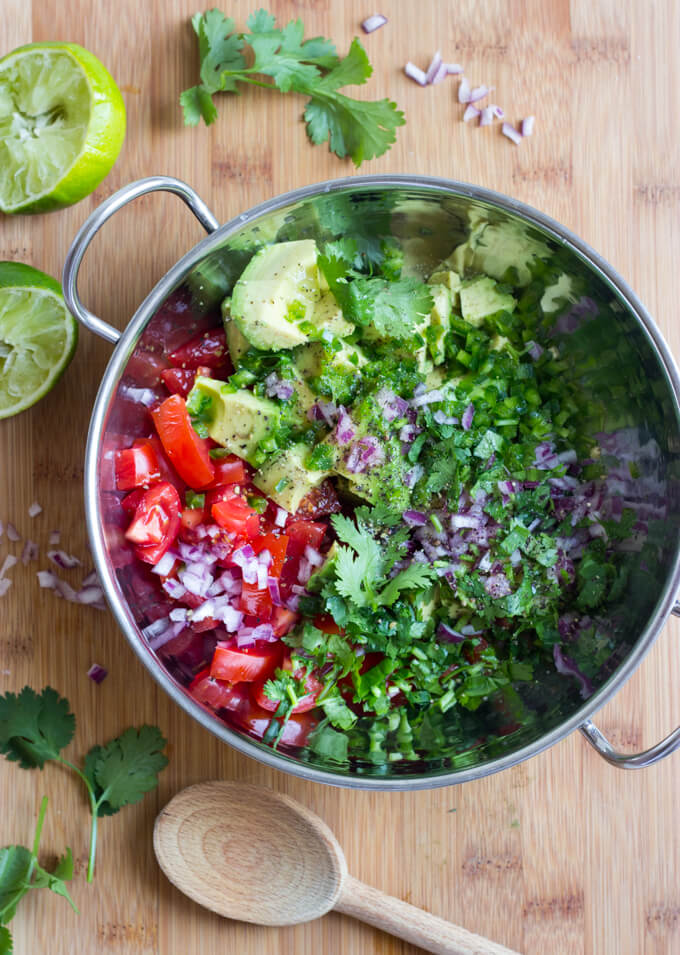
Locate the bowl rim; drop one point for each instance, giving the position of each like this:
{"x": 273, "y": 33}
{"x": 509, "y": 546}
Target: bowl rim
{"x": 118, "y": 360}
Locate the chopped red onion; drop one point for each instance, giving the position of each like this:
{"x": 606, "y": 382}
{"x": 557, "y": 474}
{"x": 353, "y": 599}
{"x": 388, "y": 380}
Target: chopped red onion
{"x": 413, "y": 475}
{"x": 430, "y": 397}
{"x": 527, "y": 126}
{"x": 453, "y": 69}
{"x": 246, "y": 636}
{"x": 468, "y": 415}
{"x": 485, "y": 563}
{"x": 497, "y": 586}
{"x": 90, "y": 595}
{"x": 471, "y": 112}
{"x": 328, "y": 411}
{"x": 433, "y": 68}
{"x": 9, "y": 562}
{"x": 12, "y": 532}
{"x": 65, "y": 590}
{"x": 274, "y": 592}
{"x": 506, "y": 487}
{"x": 345, "y": 430}
{"x": 415, "y": 73}
{"x": 92, "y": 578}
{"x": 262, "y": 577}
{"x": 278, "y": 388}
{"x": 97, "y": 673}
{"x": 486, "y": 117}
{"x": 54, "y": 539}
{"x": 164, "y": 565}
{"x": 498, "y": 111}
{"x": 34, "y": 509}
{"x": 567, "y": 667}
{"x": 374, "y": 22}
{"x": 179, "y": 614}
{"x": 391, "y": 405}
{"x": 230, "y": 617}
{"x": 264, "y": 558}
{"x": 198, "y": 586}
{"x": 5, "y": 584}
{"x": 174, "y": 588}
{"x": 479, "y": 92}
{"x": 47, "y": 579}
{"x": 304, "y": 571}
{"x": 464, "y": 91}
{"x": 534, "y": 350}
{"x": 464, "y": 520}
{"x": 281, "y": 517}
{"x": 515, "y": 558}
{"x": 2, "y": 528}
{"x": 62, "y": 559}
{"x": 139, "y": 396}
{"x": 313, "y": 556}
{"x": 567, "y": 457}
{"x": 508, "y": 130}
{"x": 442, "y": 418}
{"x": 204, "y": 611}
{"x": 469, "y": 631}
{"x": 415, "y": 518}
{"x": 293, "y": 603}
{"x": 440, "y": 75}
{"x": 449, "y": 635}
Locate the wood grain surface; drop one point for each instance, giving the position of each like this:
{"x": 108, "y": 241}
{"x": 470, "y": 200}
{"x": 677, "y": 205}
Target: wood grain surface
{"x": 561, "y": 854}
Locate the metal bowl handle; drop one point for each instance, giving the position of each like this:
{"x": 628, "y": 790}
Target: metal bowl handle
{"x": 93, "y": 223}
{"x": 601, "y": 744}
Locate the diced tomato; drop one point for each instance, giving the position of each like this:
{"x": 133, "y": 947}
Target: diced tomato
{"x": 283, "y": 620}
{"x": 276, "y": 544}
{"x": 180, "y": 381}
{"x": 219, "y": 494}
{"x": 136, "y": 467}
{"x": 255, "y": 603}
{"x": 209, "y": 349}
{"x": 145, "y": 368}
{"x": 187, "y": 452}
{"x": 313, "y": 688}
{"x": 156, "y": 522}
{"x": 131, "y": 500}
{"x": 168, "y": 473}
{"x": 295, "y": 732}
{"x": 474, "y": 654}
{"x": 216, "y": 694}
{"x": 244, "y": 666}
{"x": 192, "y": 517}
{"x": 237, "y": 516}
{"x": 325, "y": 622}
{"x": 229, "y": 470}
{"x": 300, "y": 534}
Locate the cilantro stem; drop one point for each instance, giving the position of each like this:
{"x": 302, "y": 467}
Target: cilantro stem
{"x": 94, "y": 808}
{"x": 242, "y": 78}
{"x": 36, "y": 838}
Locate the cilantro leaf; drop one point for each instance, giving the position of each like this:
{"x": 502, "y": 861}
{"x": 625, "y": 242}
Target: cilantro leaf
{"x": 354, "y": 128}
{"x": 34, "y": 728}
{"x": 356, "y": 575}
{"x": 6, "y": 944}
{"x": 127, "y": 767}
{"x": 414, "y": 577}
{"x": 337, "y": 711}
{"x": 327, "y": 742}
{"x": 15, "y": 864}
{"x": 394, "y": 308}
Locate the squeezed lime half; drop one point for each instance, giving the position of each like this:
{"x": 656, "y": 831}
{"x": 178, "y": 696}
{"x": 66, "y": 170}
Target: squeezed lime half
{"x": 38, "y": 336}
{"x": 62, "y": 125}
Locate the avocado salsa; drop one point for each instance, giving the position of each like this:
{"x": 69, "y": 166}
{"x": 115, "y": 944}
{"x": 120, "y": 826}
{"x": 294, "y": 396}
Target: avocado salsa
{"x": 387, "y": 515}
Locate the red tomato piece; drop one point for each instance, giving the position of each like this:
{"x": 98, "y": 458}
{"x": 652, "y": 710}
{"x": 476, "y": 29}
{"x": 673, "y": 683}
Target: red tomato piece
{"x": 131, "y": 500}
{"x": 229, "y": 470}
{"x": 180, "y": 381}
{"x": 216, "y": 694}
{"x": 145, "y": 368}
{"x": 277, "y": 545}
{"x": 209, "y": 349}
{"x": 300, "y": 534}
{"x": 237, "y": 516}
{"x": 283, "y": 620}
{"x": 313, "y": 688}
{"x": 320, "y": 501}
{"x": 192, "y": 517}
{"x": 325, "y": 622}
{"x": 295, "y": 733}
{"x": 187, "y": 452}
{"x": 136, "y": 467}
{"x": 244, "y": 666}
{"x": 255, "y": 603}
{"x": 168, "y": 473}
{"x": 156, "y": 522}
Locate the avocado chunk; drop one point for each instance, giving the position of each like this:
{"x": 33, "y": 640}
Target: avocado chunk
{"x": 235, "y": 418}
{"x": 448, "y": 278}
{"x": 327, "y": 317}
{"x": 286, "y": 480}
{"x": 480, "y": 297}
{"x": 279, "y": 289}
{"x": 494, "y": 248}
{"x": 237, "y": 344}
{"x": 325, "y": 572}
{"x": 440, "y": 322}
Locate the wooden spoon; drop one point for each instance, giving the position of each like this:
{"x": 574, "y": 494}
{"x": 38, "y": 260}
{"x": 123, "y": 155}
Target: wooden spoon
{"x": 252, "y": 854}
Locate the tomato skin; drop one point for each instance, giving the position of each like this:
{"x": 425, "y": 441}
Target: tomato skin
{"x": 145, "y": 367}
{"x": 187, "y": 452}
{"x": 300, "y": 534}
{"x": 313, "y": 686}
{"x": 136, "y": 467}
{"x": 325, "y": 622}
{"x": 256, "y": 603}
{"x": 237, "y": 516}
{"x": 295, "y": 733}
{"x": 155, "y": 523}
{"x": 283, "y": 620}
{"x": 277, "y": 545}
{"x": 319, "y": 502}
{"x": 229, "y": 470}
{"x": 208, "y": 349}
{"x": 131, "y": 500}
{"x": 244, "y": 666}
{"x": 216, "y": 694}
{"x": 180, "y": 381}
{"x": 192, "y": 517}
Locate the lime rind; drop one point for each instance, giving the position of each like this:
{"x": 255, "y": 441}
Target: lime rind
{"x": 38, "y": 336}
{"x": 62, "y": 125}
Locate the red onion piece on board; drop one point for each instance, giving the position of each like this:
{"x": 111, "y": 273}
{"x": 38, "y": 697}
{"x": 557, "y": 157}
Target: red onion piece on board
{"x": 434, "y": 66}
{"x": 471, "y": 112}
{"x": 527, "y": 126}
{"x": 62, "y": 559}
{"x": 34, "y": 509}
{"x": 97, "y": 673}
{"x": 29, "y": 553}
{"x": 5, "y": 584}
{"x": 453, "y": 69}
{"x": 440, "y": 75}
{"x": 415, "y": 73}
{"x": 8, "y": 563}
{"x": 464, "y": 91}
{"x": 12, "y": 532}
{"x": 486, "y": 117}
{"x": 479, "y": 92}
{"x": 373, "y": 23}
{"x": 508, "y": 130}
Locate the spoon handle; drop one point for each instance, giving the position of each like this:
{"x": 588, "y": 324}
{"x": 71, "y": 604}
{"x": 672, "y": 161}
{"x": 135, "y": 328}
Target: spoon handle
{"x": 410, "y": 923}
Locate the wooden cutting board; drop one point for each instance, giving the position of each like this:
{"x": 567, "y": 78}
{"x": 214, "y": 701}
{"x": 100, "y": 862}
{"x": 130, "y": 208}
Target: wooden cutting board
{"x": 562, "y": 854}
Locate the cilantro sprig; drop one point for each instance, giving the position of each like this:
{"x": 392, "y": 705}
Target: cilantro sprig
{"x": 355, "y": 128}
{"x": 36, "y": 727}
{"x": 20, "y": 872}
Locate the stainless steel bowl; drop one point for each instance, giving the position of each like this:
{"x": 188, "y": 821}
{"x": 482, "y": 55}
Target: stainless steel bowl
{"x": 618, "y": 357}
